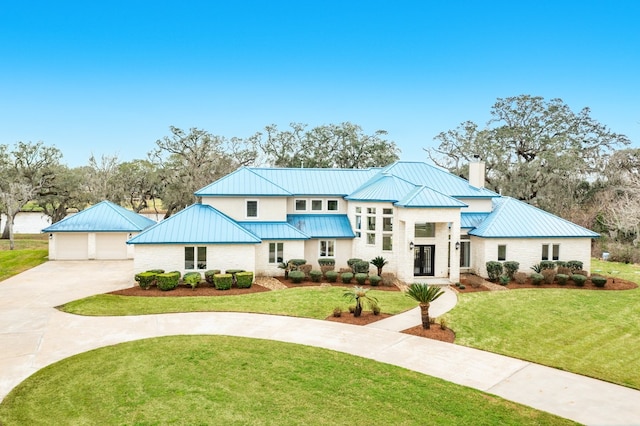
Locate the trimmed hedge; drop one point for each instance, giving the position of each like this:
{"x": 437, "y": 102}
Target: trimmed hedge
{"x": 374, "y": 280}
{"x": 326, "y": 261}
{"x": 331, "y": 276}
{"x": 168, "y": 281}
{"x": 547, "y": 264}
{"x": 233, "y": 271}
{"x": 562, "y": 279}
{"x": 494, "y": 270}
{"x": 361, "y": 278}
{"x": 315, "y": 275}
{"x": 574, "y": 265}
{"x": 579, "y": 279}
{"x": 146, "y": 279}
{"x": 511, "y": 267}
{"x": 296, "y": 277}
{"x": 296, "y": 263}
{"x": 208, "y": 275}
{"x": 346, "y": 277}
{"x": 244, "y": 279}
{"x": 537, "y": 278}
{"x": 598, "y": 281}
{"x": 222, "y": 281}
{"x": 361, "y": 267}
{"x": 192, "y": 278}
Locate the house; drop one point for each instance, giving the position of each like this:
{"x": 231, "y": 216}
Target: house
{"x": 98, "y": 232}
{"x": 425, "y": 221}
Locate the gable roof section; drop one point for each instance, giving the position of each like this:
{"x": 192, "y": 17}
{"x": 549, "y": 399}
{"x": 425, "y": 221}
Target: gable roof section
{"x": 102, "y": 217}
{"x": 274, "y": 230}
{"x": 438, "y": 179}
{"x": 421, "y": 196}
{"x": 197, "y": 224}
{"x": 244, "y": 181}
{"x": 512, "y": 218}
{"x": 382, "y": 187}
{"x": 322, "y": 225}
{"x": 472, "y": 220}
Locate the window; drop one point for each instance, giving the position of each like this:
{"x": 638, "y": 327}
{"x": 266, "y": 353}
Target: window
{"x": 358, "y": 225}
{"x": 465, "y": 252}
{"x": 358, "y": 210}
{"x": 371, "y": 238}
{"x": 327, "y": 248}
{"x": 371, "y": 210}
{"x": 301, "y": 205}
{"x": 387, "y": 211}
{"x": 191, "y": 261}
{"x": 371, "y": 223}
{"x": 502, "y": 252}
{"x": 387, "y": 224}
{"x": 425, "y": 230}
{"x": 553, "y": 248}
{"x": 387, "y": 242}
{"x": 252, "y": 208}
{"x": 332, "y": 205}
{"x": 275, "y": 252}
{"x": 316, "y": 205}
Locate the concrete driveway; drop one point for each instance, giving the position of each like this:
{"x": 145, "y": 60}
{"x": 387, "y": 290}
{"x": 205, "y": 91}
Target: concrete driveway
{"x": 33, "y": 335}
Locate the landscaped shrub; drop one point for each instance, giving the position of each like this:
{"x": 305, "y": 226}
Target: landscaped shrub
{"x": 510, "y": 268}
{"x": 361, "y": 267}
{"x": 582, "y": 272}
{"x": 233, "y": 271}
{"x": 598, "y": 281}
{"x": 326, "y": 268}
{"x": 564, "y": 270}
{"x": 296, "y": 263}
{"x": 361, "y": 278}
{"x": 537, "y": 268}
{"x": 520, "y": 277}
{"x": 337, "y": 311}
{"x": 296, "y": 277}
{"x": 156, "y": 271}
{"x": 316, "y": 276}
{"x": 374, "y": 280}
{"x": 331, "y": 276}
{"x": 306, "y": 269}
{"x": 561, "y": 264}
{"x": 574, "y": 265}
{"x": 168, "y": 280}
{"x": 494, "y": 270}
{"x": 244, "y": 279}
{"x": 346, "y": 277}
{"x": 549, "y": 275}
{"x": 505, "y": 279}
{"x": 146, "y": 279}
{"x": 208, "y": 275}
{"x": 388, "y": 278}
{"x": 462, "y": 287}
{"x": 379, "y": 262}
{"x": 579, "y": 279}
{"x": 352, "y": 261}
{"x": 192, "y": 279}
{"x": 537, "y": 278}
{"x": 562, "y": 278}
{"x": 547, "y": 264}
{"x": 222, "y": 281}
{"x": 375, "y": 309}
{"x": 326, "y": 261}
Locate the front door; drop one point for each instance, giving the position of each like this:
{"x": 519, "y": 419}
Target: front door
{"x": 424, "y": 260}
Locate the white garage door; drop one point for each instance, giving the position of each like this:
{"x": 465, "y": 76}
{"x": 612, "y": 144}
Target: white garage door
{"x": 111, "y": 245}
{"x": 72, "y": 246}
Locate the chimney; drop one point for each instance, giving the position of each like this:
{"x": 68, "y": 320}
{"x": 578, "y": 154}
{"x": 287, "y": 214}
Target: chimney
{"x": 476, "y": 172}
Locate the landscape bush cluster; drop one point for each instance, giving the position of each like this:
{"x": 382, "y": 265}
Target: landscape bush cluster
{"x": 545, "y": 272}
{"x": 167, "y": 281}
{"x": 298, "y": 270}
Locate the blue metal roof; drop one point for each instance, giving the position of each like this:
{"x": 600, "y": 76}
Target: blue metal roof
{"x": 244, "y": 181}
{"x": 322, "y": 225}
{"x": 421, "y": 196}
{"x": 274, "y": 230}
{"x": 197, "y": 224}
{"x": 102, "y": 217}
{"x": 512, "y": 218}
{"x": 472, "y": 220}
{"x": 382, "y": 187}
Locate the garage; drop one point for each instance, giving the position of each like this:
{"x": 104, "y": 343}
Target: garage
{"x": 70, "y": 246}
{"x": 98, "y": 232}
{"x": 111, "y": 245}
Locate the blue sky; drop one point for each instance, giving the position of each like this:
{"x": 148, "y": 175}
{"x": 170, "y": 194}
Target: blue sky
{"x": 111, "y": 77}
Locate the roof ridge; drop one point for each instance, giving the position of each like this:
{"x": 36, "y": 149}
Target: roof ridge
{"x": 268, "y": 180}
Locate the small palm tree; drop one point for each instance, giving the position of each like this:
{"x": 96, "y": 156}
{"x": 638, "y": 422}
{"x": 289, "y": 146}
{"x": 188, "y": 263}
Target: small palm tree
{"x": 286, "y": 266}
{"x": 424, "y": 294}
{"x": 360, "y": 295}
{"x": 379, "y": 262}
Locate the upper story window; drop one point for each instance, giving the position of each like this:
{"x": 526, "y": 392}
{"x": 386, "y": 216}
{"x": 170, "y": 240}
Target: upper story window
{"x": 425, "y": 230}
{"x": 316, "y": 205}
{"x": 332, "y": 205}
{"x": 252, "y": 208}
{"x": 301, "y": 205}
{"x": 387, "y": 212}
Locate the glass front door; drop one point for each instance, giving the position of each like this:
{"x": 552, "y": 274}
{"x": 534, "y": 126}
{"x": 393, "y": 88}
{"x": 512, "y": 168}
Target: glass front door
{"x": 424, "y": 260}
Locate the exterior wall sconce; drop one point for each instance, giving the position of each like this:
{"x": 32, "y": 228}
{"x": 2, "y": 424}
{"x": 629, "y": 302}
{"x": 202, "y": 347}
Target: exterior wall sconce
{"x": 457, "y": 245}
{"x": 129, "y": 236}
{"x": 411, "y": 245}
{"x": 51, "y": 236}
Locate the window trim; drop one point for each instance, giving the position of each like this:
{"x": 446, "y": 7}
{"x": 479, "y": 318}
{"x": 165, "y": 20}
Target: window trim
{"x": 196, "y": 251}
{"x": 330, "y": 250}
{"x": 246, "y": 208}
{"x": 337, "y": 205}
{"x": 316, "y": 200}
{"x": 278, "y": 247}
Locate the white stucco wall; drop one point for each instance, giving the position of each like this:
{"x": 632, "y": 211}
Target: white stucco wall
{"x": 342, "y": 205}
{"x": 527, "y": 251}
{"x": 343, "y": 252}
{"x": 170, "y": 257}
{"x": 269, "y": 208}
{"x": 477, "y": 205}
{"x": 292, "y": 249}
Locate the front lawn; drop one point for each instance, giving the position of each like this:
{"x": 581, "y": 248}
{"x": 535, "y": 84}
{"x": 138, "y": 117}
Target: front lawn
{"x": 593, "y": 333}
{"x": 30, "y": 250}
{"x": 308, "y": 302}
{"x": 238, "y": 381}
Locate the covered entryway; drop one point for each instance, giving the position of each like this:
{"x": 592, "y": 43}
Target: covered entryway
{"x": 424, "y": 260}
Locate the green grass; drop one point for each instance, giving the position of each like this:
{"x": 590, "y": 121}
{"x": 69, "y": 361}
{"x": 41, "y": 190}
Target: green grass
{"x": 593, "y": 333}
{"x": 308, "y": 302}
{"x": 30, "y": 250}
{"x": 189, "y": 380}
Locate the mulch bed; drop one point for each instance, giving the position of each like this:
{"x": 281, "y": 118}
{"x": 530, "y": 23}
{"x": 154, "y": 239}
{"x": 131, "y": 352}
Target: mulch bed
{"x": 290, "y": 284}
{"x": 204, "y": 289}
{"x": 612, "y": 284}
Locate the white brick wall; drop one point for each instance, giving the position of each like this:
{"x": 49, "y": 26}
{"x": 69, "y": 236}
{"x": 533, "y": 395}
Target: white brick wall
{"x": 269, "y": 208}
{"x": 292, "y": 249}
{"x": 170, "y": 257}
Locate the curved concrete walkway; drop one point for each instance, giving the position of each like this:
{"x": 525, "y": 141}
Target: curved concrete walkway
{"x": 33, "y": 334}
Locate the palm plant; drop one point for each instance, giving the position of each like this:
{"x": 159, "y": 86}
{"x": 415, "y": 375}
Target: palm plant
{"x": 424, "y": 295}
{"x": 379, "y": 262}
{"x": 286, "y": 265}
{"x": 360, "y": 295}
